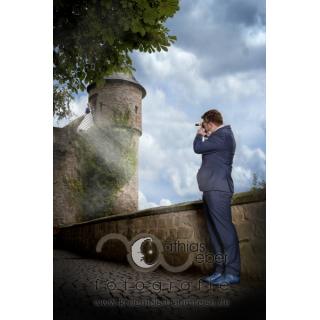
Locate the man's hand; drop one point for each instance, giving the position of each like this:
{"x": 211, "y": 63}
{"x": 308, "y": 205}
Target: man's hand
{"x": 201, "y": 131}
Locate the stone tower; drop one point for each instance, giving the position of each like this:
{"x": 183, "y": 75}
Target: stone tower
{"x": 123, "y": 91}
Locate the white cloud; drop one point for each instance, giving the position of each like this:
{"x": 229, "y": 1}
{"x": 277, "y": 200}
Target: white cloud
{"x": 166, "y": 146}
{"x": 165, "y": 202}
{"x": 239, "y": 85}
{"x": 246, "y": 162}
{"x": 179, "y": 69}
{"x": 255, "y": 157}
{"x": 145, "y": 204}
{"x": 255, "y": 37}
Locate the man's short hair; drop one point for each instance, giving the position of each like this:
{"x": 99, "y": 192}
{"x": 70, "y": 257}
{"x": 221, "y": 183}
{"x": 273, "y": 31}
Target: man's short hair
{"x": 213, "y": 116}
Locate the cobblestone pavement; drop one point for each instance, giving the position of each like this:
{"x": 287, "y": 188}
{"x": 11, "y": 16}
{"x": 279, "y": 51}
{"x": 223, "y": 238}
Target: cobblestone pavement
{"x": 83, "y": 288}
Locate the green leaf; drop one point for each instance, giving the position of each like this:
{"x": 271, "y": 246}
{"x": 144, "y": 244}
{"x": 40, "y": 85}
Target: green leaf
{"x": 135, "y": 26}
{"x": 108, "y": 4}
{"x": 164, "y": 48}
{"x": 111, "y": 41}
{"x": 142, "y": 31}
{"x": 124, "y": 3}
{"x": 145, "y": 4}
{"x": 148, "y": 20}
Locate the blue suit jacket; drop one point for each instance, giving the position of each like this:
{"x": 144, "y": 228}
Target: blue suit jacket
{"x": 217, "y": 158}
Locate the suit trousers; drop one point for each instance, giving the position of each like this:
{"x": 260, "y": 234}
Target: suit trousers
{"x": 224, "y": 237}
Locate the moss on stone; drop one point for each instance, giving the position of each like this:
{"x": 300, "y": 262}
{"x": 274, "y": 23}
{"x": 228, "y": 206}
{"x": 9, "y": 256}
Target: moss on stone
{"x": 249, "y": 196}
{"x": 107, "y": 161}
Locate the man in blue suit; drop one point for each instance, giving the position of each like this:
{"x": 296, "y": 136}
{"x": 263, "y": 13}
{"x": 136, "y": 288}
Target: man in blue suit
{"x": 214, "y": 179}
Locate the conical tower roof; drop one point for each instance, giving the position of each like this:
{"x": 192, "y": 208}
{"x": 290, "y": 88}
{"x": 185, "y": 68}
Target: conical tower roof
{"x": 123, "y": 77}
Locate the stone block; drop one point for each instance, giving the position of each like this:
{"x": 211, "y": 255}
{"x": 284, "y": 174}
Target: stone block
{"x": 111, "y": 226}
{"x": 144, "y": 230}
{"x": 174, "y": 232}
{"x": 152, "y": 221}
{"x": 246, "y": 257}
{"x": 130, "y": 234}
{"x": 259, "y": 246}
{"x": 166, "y": 222}
{"x": 140, "y": 223}
{"x": 176, "y": 221}
{"x": 262, "y": 210}
{"x": 103, "y": 226}
{"x": 152, "y": 231}
{"x": 185, "y": 233}
{"x": 261, "y": 267}
{"x": 98, "y": 235}
{"x": 201, "y": 232}
{"x": 193, "y": 220}
{"x": 250, "y": 211}
{"x": 244, "y": 230}
{"x": 170, "y": 238}
{"x": 253, "y": 265}
{"x": 122, "y": 224}
{"x": 123, "y": 232}
{"x": 260, "y": 229}
{"x": 237, "y": 214}
{"x": 161, "y": 234}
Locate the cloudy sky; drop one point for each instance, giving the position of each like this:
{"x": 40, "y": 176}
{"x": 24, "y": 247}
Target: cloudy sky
{"x": 218, "y": 62}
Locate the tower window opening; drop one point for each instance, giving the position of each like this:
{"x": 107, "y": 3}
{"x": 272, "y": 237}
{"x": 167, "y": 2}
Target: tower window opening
{"x": 136, "y": 109}
{"x": 101, "y": 104}
{"x": 93, "y": 103}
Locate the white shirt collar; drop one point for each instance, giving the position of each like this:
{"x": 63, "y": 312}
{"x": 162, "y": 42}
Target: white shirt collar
{"x": 223, "y": 125}
{"x": 205, "y": 138}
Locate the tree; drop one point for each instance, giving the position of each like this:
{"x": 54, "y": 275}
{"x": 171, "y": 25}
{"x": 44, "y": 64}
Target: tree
{"x": 262, "y": 183}
{"x": 92, "y": 39}
{"x": 62, "y": 98}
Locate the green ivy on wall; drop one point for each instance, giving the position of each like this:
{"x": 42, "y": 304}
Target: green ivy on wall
{"x": 107, "y": 158}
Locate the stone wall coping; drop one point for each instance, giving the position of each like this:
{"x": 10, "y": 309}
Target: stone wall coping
{"x": 238, "y": 198}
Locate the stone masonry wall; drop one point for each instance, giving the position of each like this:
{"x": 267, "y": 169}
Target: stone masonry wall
{"x": 112, "y": 94}
{"x": 184, "y": 222}
{"x": 64, "y": 162}
{"x": 121, "y": 95}
{"x": 128, "y": 196}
